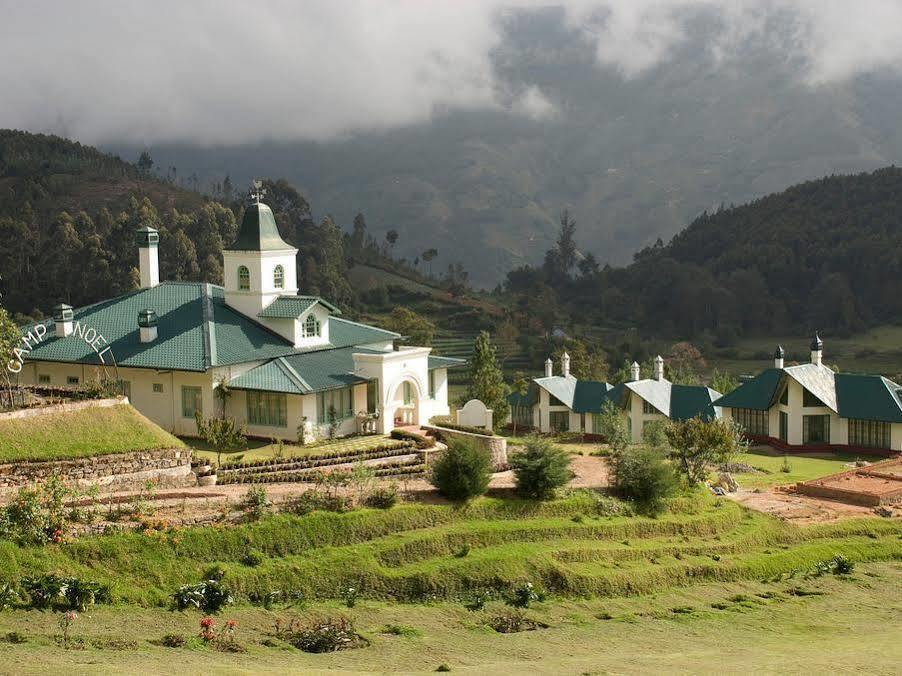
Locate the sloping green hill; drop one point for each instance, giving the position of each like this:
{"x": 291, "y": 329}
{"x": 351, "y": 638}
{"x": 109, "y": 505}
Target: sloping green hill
{"x": 80, "y": 434}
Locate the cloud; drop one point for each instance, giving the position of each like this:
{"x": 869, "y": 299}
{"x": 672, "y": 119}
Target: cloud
{"x": 223, "y": 71}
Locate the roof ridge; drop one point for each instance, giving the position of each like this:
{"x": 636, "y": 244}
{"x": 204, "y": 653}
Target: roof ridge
{"x": 292, "y": 374}
{"x": 366, "y": 326}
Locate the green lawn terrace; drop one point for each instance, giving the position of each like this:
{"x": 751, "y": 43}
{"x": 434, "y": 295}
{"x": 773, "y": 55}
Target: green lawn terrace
{"x": 258, "y": 449}
{"x": 705, "y": 586}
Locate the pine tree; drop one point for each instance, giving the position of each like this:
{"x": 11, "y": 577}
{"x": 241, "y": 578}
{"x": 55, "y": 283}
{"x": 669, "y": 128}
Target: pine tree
{"x": 486, "y": 379}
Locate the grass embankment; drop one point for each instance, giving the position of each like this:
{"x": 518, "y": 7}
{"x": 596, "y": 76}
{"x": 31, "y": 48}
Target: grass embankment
{"x": 417, "y": 552}
{"x": 801, "y": 468}
{"x": 79, "y": 434}
{"x": 262, "y": 450}
{"x": 824, "y": 625}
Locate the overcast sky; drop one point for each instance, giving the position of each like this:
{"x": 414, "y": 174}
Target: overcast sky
{"x": 225, "y": 72}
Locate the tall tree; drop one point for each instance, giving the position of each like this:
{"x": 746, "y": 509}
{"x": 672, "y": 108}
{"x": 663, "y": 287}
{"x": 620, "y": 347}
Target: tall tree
{"x": 486, "y": 381}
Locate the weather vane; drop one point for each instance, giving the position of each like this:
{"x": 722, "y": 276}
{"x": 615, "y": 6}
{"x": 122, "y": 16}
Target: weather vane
{"x": 258, "y": 191}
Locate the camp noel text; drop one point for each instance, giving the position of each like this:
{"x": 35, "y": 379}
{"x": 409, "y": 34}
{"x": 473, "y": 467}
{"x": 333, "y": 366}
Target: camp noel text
{"x": 34, "y": 337}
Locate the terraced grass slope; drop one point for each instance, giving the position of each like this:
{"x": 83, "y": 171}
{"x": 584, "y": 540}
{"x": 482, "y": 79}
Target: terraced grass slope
{"x": 79, "y": 434}
{"x": 412, "y": 553}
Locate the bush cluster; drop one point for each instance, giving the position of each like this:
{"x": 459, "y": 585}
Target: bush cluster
{"x": 64, "y": 593}
{"x": 320, "y": 635}
{"x": 642, "y": 474}
{"x": 541, "y": 468}
{"x": 462, "y": 472}
{"x": 421, "y": 441}
{"x": 382, "y": 450}
{"x": 402, "y": 468}
{"x": 447, "y": 424}
{"x": 208, "y": 595}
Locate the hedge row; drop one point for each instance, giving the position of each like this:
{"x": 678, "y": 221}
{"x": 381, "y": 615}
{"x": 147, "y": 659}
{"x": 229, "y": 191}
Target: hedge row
{"x": 385, "y": 471}
{"x": 420, "y": 441}
{"x": 389, "y": 448}
{"x": 447, "y": 424}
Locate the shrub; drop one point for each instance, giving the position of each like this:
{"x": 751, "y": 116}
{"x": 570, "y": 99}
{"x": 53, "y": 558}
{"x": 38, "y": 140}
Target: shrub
{"x": 15, "y": 637}
{"x": 523, "y": 595}
{"x": 418, "y": 439}
{"x": 444, "y": 667}
{"x": 209, "y": 596}
{"x": 478, "y": 599}
{"x": 541, "y": 468}
{"x": 321, "y": 635}
{"x": 311, "y": 501}
{"x": 785, "y": 467}
{"x": 842, "y": 565}
{"x": 643, "y": 475}
{"x": 8, "y": 595}
{"x": 382, "y": 497}
{"x": 72, "y": 593}
{"x": 462, "y": 472}
{"x": 253, "y": 558}
{"x": 698, "y": 443}
{"x": 256, "y": 502}
{"x": 173, "y": 641}
{"x": 513, "y": 621}
{"x": 349, "y": 595}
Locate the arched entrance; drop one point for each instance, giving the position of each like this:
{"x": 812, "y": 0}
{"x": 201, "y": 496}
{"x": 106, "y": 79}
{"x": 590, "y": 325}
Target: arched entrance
{"x": 404, "y": 403}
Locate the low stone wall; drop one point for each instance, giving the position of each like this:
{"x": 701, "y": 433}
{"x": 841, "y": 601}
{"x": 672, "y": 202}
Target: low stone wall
{"x": 166, "y": 467}
{"x": 496, "y": 446}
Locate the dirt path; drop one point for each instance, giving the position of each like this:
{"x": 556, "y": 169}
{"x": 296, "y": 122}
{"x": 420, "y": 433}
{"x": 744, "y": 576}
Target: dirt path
{"x": 801, "y": 509}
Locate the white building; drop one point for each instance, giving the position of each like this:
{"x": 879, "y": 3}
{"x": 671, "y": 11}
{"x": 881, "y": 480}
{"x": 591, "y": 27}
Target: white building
{"x": 809, "y": 406}
{"x": 562, "y": 403}
{"x": 275, "y": 360}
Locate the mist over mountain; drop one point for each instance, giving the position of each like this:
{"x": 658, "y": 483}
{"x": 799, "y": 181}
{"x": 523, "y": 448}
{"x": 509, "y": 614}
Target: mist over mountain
{"x": 468, "y": 126}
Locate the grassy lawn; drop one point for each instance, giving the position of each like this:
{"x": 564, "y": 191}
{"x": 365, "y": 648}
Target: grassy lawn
{"x": 802, "y": 468}
{"x": 78, "y": 434}
{"x": 264, "y": 449}
{"x": 842, "y": 625}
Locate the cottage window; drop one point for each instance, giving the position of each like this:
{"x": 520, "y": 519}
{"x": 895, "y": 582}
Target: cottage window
{"x": 372, "y": 396}
{"x": 869, "y": 434}
{"x": 554, "y": 401}
{"x": 559, "y": 421}
{"x": 647, "y": 408}
{"x": 192, "y": 401}
{"x": 244, "y": 278}
{"x": 43, "y": 378}
{"x": 312, "y": 327}
{"x": 815, "y": 429}
{"x": 432, "y": 384}
{"x": 340, "y": 402}
{"x": 753, "y": 422}
{"x": 158, "y": 388}
{"x": 71, "y": 380}
{"x": 267, "y": 408}
{"x": 278, "y": 277}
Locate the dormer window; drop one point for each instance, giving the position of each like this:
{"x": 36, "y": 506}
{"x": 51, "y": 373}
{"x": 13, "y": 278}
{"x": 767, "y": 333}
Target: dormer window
{"x": 278, "y": 277}
{"x": 312, "y": 327}
{"x": 244, "y": 279}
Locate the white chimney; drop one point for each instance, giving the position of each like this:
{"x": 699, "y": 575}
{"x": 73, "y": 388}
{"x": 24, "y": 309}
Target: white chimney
{"x": 778, "y": 357}
{"x": 549, "y": 368}
{"x": 147, "y": 325}
{"x": 634, "y": 372}
{"x": 148, "y": 257}
{"x": 659, "y": 368}
{"x": 817, "y": 350}
{"x": 565, "y": 364}
{"x": 62, "y": 320}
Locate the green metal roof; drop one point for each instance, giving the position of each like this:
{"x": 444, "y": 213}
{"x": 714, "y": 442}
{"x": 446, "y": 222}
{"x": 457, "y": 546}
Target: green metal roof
{"x": 196, "y": 330}
{"x": 436, "y": 362}
{"x": 258, "y": 231}
{"x": 868, "y": 397}
{"x": 291, "y": 307}
{"x": 345, "y": 332}
{"x": 304, "y": 373}
{"x": 589, "y": 396}
{"x": 758, "y": 394}
{"x": 693, "y": 401}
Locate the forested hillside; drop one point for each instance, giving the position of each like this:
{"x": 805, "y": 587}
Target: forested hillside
{"x": 68, "y": 215}
{"x": 825, "y": 254}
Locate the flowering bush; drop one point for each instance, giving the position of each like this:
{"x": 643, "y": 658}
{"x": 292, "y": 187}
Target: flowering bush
{"x": 208, "y": 629}
{"x": 66, "y": 621}
{"x": 523, "y": 595}
{"x": 209, "y": 596}
{"x": 321, "y": 635}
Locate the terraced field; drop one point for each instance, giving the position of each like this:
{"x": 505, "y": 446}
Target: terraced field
{"x": 574, "y": 547}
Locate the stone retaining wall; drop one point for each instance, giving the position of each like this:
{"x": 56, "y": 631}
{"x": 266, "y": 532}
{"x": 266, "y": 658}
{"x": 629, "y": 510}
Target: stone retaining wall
{"x": 496, "y": 446}
{"x": 166, "y": 467}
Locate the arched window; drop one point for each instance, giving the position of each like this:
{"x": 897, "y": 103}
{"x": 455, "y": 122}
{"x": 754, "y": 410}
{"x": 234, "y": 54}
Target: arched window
{"x": 278, "y": 277}
{"x": 311, "y": 327}
{"x": 244, "y": 279}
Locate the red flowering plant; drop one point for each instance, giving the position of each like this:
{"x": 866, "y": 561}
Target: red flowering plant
{"x": 208, "y": 629}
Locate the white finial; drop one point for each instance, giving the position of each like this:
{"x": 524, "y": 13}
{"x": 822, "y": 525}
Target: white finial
{"x": 565, "y": 364}
{"x": 258, "y": 191}
{"x": 659, "y": 368}
{"x": 634, "y": 371}
{"x": 549, "y": 367}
